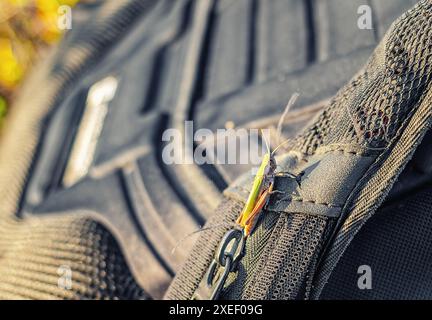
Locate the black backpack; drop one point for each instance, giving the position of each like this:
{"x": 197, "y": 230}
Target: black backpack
{"x": 91, "y": 210}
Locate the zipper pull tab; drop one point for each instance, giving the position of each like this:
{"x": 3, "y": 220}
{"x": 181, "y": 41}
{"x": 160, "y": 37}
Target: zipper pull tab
{"x": 227, "y": 256}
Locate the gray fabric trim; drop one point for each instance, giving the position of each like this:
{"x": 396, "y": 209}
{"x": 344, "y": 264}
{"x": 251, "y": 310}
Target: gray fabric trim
{"x": 328, "y": 179}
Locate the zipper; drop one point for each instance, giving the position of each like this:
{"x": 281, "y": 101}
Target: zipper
{"x": 230, "y": 251}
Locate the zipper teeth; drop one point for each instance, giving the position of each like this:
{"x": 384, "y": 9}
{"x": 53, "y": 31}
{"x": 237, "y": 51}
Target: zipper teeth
{"x": 18, "y": 151}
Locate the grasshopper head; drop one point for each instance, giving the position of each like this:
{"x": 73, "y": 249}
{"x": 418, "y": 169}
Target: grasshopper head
{"x": 272, "y": 165}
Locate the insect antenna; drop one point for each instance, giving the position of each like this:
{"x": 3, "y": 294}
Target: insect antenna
{"x": 291, "y": 102}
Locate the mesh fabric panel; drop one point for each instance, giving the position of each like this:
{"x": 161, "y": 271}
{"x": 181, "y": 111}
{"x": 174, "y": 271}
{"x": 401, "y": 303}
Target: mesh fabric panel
{"x": 290, "y": 259}
{"x": 34, "y": 253}
{"x": 372, "y": 107}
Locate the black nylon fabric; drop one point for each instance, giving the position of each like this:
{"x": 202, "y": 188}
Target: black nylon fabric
{"x": 399, "y": 254}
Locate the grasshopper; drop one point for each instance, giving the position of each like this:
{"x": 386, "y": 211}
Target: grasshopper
{"x": 232, "y": 246}
{"x": 262, "y": 186}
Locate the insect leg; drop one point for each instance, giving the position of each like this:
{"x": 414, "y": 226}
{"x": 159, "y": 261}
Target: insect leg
{"x": 250, "y": 221}
{"x": 297, "y": 177}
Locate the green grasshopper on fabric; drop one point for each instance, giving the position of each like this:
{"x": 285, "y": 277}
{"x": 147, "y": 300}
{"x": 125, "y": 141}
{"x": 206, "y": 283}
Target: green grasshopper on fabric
{"x": 263, "y": 182}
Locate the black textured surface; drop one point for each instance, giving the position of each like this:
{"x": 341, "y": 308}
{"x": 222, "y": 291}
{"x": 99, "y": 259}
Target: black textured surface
{"x": 253, "y": 56}
{"x": 400, "y": 261}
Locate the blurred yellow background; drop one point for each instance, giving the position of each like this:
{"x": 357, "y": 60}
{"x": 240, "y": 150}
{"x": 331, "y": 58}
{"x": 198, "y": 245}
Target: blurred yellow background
{"x": 27, "y": 27}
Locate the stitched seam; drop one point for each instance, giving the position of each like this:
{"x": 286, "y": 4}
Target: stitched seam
{"x": 335, "y": 149}
{"x": 330, "y": 205}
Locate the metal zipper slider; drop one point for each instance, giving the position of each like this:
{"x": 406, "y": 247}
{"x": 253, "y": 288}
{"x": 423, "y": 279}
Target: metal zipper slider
{"x": 227, "y": 256}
